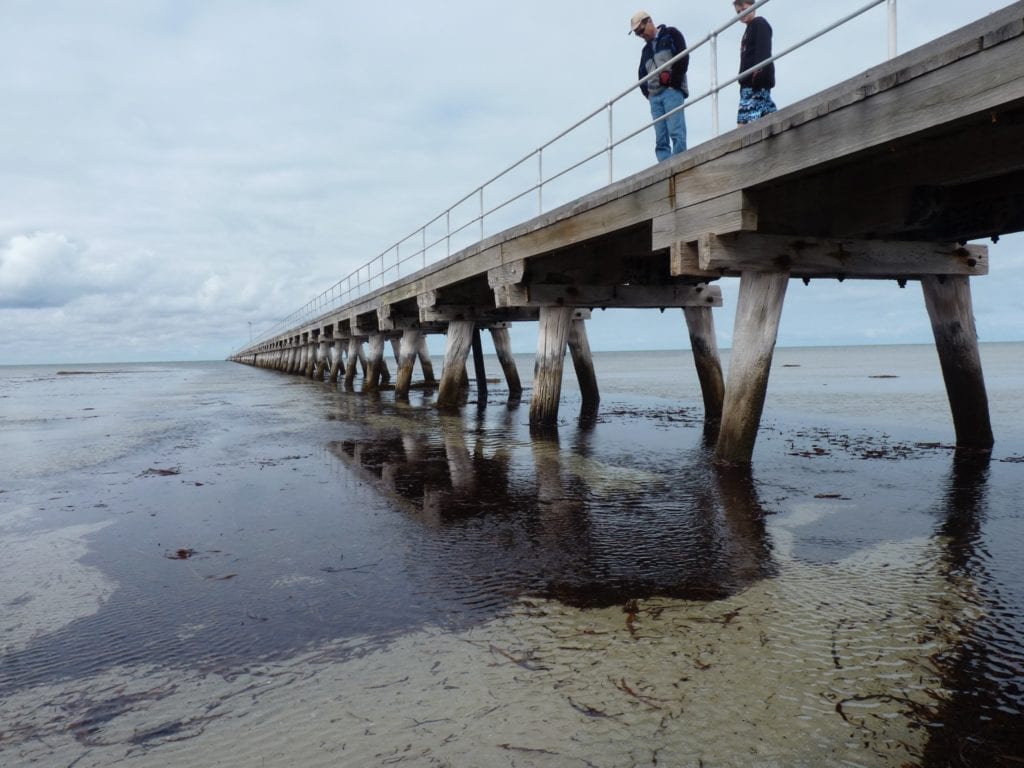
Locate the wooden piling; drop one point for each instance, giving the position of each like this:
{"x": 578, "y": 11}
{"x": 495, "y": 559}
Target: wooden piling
{"x": 460, "y": 338}
{"x": 503, "y": 349}
{"x": 758, "y": 310}
{"x": 310, "y": 362}
{"x": 426, "y": 366}
{"x": 948, "y": 300}
{"x": 583, "y": 362}
{"x": 701, "y": 325}
{"x": 320, "y": 365}
{"x": 374, "y": 364}
{"x": 355, "y": 354}
{"x": 552, "y": 338}
{"x": 336, "y": 361}
{"x": 478, "y": 367}
{"x": 406, "y": 361}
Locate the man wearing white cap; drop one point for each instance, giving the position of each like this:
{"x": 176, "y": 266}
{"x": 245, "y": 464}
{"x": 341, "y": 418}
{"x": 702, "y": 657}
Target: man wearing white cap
{"x": 666, "y": 90}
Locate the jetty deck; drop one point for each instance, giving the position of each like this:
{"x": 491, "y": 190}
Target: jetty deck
{"x": 885, "y": 176}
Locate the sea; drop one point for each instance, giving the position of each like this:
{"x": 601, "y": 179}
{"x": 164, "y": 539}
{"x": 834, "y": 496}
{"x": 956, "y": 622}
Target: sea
{"x": 207, "y": 563}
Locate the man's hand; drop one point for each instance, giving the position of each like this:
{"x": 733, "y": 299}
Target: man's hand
{"x": 665, "y": 77}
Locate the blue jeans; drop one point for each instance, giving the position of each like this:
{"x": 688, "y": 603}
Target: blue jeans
{"x": 672, "y": 128}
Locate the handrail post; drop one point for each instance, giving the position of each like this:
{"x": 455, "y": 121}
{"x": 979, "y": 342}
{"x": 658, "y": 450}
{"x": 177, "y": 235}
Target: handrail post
{"x": 892, "y": 29}
{"x": 714, "y": 84}
{"x": 540, "y": 181}
{"x": 481, "y": 213}
{"x": 611, "y": 144}
{"x": 448, "y": 232}
{"x": 424, "y": 249}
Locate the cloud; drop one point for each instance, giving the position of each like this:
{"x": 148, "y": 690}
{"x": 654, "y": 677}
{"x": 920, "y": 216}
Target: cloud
{"x": 46, "y": 269}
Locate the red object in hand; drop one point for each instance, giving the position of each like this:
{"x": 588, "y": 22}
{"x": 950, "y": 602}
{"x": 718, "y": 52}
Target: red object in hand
{"x": 665, "y": 77}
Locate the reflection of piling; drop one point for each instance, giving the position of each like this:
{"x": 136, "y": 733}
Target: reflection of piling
{"x": 742, "y": 522}
{"x": 977, "y": 726}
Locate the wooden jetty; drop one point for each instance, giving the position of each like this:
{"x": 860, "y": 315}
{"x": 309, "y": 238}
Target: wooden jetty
{"x": 885, "y": 176}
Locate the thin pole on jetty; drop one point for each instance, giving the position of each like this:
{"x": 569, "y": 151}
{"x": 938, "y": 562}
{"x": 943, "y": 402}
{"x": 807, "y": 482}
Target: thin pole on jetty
{"x": 478, "y": 367}
{"x": 701, "y": 326}
{"x": 503, "y": 349}
{"x": 583, "y": 362}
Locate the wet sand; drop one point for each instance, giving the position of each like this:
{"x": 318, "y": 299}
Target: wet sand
{"x": 232, "y": 567}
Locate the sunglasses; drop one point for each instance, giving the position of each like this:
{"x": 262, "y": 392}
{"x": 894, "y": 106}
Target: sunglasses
{"x": 639, "y": 31}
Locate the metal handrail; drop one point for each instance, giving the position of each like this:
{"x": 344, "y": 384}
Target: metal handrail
{"x": 354, "y": 285}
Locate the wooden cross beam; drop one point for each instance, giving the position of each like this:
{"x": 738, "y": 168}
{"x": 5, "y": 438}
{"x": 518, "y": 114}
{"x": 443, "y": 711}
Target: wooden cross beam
{"x": 815, "y": 257}
{"x": 605, "y": 296}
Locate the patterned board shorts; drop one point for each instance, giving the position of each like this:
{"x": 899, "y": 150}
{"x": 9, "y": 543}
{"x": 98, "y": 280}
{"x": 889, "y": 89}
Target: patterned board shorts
{"x": 754, "y": 103}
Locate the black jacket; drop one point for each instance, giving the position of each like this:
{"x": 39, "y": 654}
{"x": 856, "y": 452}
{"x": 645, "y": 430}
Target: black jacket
{"x": 667, "y": 43}
{"x": 755, "y": 47}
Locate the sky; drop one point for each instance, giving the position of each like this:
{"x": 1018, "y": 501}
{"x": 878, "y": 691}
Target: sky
{"x": 179, "y": 175}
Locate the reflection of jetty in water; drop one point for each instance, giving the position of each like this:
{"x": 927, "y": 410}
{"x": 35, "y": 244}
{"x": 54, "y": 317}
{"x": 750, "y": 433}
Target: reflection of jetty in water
{"x": 544, "y": 516}
{"x": 564, "y": 525}
{"x": 982, "y": 714}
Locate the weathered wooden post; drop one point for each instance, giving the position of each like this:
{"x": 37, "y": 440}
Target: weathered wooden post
{"x": 948, "y": 300}
{"x": 291, "y": 361}
{"x": 758, "y": 310}
{"x": 583, "y": 362}
{"x": 336, "y": 360}
{"x": 552, "y": 337}
{"x": 322, "y": 359}
{"x": 406, "y": 362}
{"x": 700, "y": 323}
{"x": 460, "y": 338}
{"x": 355, "y": 356}
{"x": 374, "y": 363}
{"x": 426, "y": 366}
{"x": 503, "y": 349}
{"x": 479, "y": 369}
{"x": 310, "y": 361}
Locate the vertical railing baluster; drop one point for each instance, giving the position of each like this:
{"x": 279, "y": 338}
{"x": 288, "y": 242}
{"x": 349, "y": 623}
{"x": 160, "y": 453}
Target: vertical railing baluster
{"x": 540, "y": 180}
{"x": 892, "y": 29}
{"x": 481, "y": 213}
{"x": 611, "y": 145}
{"x": 714, "y": 84}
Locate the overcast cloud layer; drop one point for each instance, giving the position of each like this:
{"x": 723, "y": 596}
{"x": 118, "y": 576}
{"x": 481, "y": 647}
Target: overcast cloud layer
{"x": 177, "y": 173}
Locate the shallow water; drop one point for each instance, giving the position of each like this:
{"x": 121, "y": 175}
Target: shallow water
{"x": 854, "y": 599}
